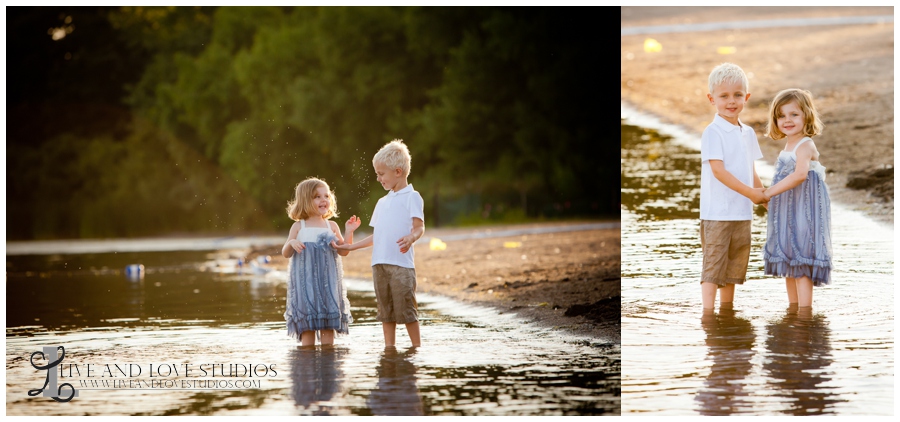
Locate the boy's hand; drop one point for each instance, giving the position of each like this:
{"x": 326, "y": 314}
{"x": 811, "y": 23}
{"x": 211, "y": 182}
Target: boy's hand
{"x": 297, "y": 245}
{"x": 406, "y": 242}
{"x": 768, "y": 195}
{"x": 341, "y": 246}
{"x": 352, "y": 224}
{"x": 758, "y": 196}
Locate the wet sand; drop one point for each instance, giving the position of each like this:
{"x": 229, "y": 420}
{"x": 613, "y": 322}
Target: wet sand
{"x": 564, "y": 280}
{"x": 848, "y": 68}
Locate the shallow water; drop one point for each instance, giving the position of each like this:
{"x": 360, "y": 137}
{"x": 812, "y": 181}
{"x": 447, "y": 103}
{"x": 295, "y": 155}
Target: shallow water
{"x": 192, "y": 309}
{"x": 760, "y": 358}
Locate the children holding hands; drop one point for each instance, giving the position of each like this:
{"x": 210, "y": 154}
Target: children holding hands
{"x": 798, "y": 241}
{"x": 316, "y": 298}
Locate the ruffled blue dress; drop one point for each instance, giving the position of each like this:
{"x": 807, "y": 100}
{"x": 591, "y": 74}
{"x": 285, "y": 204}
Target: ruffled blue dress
{"x": 798, "y": 238}
{"x": 316, "y": 297}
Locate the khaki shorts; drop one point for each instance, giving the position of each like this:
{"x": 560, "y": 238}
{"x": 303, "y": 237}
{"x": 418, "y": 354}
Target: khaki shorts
{"x": 395, "y": 293}
{"x": 726, "y": 251}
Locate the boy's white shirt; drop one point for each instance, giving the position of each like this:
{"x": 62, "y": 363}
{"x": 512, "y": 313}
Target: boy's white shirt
{"x": 391, "y": 220}
{"x": 738, "y": 148}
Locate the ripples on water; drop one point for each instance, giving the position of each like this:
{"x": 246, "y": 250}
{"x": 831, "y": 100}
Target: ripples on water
{"x": 474, "y": 360}
{"x": 760, "y": 357}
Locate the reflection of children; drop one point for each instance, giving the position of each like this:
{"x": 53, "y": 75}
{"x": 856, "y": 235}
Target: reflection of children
{"x": 728, "y": 149}
{"x": 316, "y": 298}
{"x": 397, "y": 393}
{"x": 798, "y": 240}
{"x": 398, "y": 221}
{"x": 730, "y": 340}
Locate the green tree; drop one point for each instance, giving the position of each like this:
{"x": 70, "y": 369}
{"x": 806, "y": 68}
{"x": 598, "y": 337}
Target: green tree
{"x": 516, "y": 106}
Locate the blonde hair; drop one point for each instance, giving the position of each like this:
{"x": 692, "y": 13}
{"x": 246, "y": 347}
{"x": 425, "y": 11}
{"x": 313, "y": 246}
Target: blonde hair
{"x": 812, "y": 123}
{"x": 302, "y": 207}
{"x": 395, "y": 155}
{"x": 730, "y": 73}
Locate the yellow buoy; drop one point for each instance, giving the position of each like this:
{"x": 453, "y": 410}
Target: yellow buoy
{"x": 727, "y": 50}
{"x": 652, "y": 46}
{"x": 436, "y": 244}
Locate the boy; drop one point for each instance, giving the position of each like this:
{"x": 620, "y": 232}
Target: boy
{"x": 727, "y": 149}
{"x": 398, "y": 222}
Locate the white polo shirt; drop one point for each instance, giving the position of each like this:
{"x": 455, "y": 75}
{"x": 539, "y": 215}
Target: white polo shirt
{"x": 391, "y": 220}
{"x": 737, "y": 147}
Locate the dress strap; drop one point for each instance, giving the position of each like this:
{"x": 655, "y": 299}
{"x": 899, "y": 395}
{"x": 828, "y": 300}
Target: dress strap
{"x": 800, "y": 143}
{"x": 302, "y": 224}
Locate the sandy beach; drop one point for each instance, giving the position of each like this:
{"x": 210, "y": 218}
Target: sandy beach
{"x": 565, "y": 280}
{"x": 848, "y": 68}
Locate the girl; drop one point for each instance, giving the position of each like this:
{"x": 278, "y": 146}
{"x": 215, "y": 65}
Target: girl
{"x": 316, "y": 298}
{"x": 798, "y": 242}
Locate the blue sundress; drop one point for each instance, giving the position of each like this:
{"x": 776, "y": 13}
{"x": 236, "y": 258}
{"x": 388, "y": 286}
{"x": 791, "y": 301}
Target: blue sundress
{"x": 798, "y": 238}
{"x": 316, "y": 297}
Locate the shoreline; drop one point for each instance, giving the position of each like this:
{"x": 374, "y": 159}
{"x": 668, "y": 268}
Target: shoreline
{"x": 559, "y": 280}
{"x": 558, "y": 275}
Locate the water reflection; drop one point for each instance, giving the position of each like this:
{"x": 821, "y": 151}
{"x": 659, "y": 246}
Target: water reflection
{"x": 730, "y": 340}
{"x": 660, "y": 180}
{"x": 764, "y": 360}
{"x": 92, "y": 291}
{"x": 799, "y": 351}
{"x": 182, "y": 313}
{"x": 134, "y": 295}
{"x": 266, "y": 295}
{"x": 397, "y": 393}
{"x": 316, "y": 375}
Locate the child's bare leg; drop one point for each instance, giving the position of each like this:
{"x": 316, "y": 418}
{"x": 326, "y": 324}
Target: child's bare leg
{"x": 708, "y": 290}
{"x": 412, "y": 329}
{"x": 390, "y": 333}
{"x": 804, "y": 313}
{"x": 327, "y": 337}
{"x": 726, "y": 294}
{"x": 791, "y": 285}
{"x": 708, "y": 318}
{"x": 308, "y": 338}
{"x": 804, "y": 291}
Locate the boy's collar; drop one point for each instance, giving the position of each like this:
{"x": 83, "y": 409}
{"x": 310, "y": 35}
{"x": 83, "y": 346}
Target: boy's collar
{"x": 725, "y": 124}
{"x": 407, "y": 189}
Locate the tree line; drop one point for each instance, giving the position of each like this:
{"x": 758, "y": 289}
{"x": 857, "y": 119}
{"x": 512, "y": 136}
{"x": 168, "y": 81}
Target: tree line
{"x": 134, "y": 121}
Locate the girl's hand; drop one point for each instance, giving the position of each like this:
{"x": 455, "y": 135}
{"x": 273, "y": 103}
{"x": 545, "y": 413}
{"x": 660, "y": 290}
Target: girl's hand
{"x": 297, "y": 245}
{"x": 340, "y": 246}
{"x": 352, "y": 224}
{"x": 758, "y": 196}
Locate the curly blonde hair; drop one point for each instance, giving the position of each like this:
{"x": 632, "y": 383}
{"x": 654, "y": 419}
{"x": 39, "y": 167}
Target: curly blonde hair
{"x": 812, "y": 123}
{"x": 302, "y": 207}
